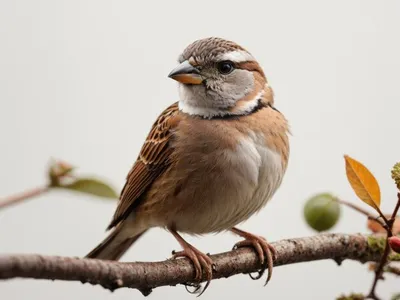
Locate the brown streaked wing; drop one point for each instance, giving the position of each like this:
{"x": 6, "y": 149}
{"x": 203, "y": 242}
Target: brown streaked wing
{"x": 153, "y": 160}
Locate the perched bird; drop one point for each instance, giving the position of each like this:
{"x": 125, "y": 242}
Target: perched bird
{"x": 210, "y": 161}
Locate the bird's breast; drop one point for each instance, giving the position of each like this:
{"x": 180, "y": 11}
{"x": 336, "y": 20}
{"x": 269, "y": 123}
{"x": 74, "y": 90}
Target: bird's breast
{"x": 222, "y": 172}
{"x": 221, "y": 187}
{"x": 262, "y": 169}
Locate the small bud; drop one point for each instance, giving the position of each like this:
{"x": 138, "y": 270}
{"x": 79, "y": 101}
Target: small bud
{"x": 372, "y": 266}
{"x": 394, "y": 243}
{"x": 396, "y": 174}
{"x": 57, "y": 170}
{"x": 64, "y": 167}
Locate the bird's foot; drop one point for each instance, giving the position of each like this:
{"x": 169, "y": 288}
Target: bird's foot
{"x": 265, "y": 251}
{"x": 202, "y": 262}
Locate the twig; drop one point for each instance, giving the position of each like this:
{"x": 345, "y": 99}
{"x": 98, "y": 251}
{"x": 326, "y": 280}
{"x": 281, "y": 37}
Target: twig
{"x": 57, "y": 171}
{"x": 11, "y": 200}
{"x": 396, "y": 209}
{"x": 388, "y": 226}
{"x": 379, "y": 270}
{"x": 393, "y": 270}
{"x": 146, "y": 276}
{"x": 363, "y": 211}
{"x": 389, "y": 268}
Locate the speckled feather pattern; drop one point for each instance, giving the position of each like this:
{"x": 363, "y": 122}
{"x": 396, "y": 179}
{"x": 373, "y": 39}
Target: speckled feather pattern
{"x": 153, "y": 159}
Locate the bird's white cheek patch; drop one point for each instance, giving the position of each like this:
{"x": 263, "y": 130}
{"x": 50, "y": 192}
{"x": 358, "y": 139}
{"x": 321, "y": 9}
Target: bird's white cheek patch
{"x": 204, "y": 112}
{"x": 190, "y": 105}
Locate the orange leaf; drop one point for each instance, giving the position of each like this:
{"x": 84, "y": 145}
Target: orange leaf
{"x": 363, "y": 182}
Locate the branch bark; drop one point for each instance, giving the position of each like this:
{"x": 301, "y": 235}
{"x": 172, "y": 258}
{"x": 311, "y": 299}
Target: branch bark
{"x": 148, "y": 275}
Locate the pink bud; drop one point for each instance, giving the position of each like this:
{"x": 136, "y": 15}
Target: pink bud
{"x": 394, "y": 243}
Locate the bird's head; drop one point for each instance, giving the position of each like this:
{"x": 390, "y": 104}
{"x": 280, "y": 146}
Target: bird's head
{"x": 218, "y": 78}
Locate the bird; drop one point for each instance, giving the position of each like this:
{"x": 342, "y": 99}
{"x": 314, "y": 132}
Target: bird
{"x": 211, "y": 160}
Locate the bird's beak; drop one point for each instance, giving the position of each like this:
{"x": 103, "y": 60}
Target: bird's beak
{"x": 186, "y": 73}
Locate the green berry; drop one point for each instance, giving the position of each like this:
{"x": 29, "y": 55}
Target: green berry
{"x": 322, "y": 212}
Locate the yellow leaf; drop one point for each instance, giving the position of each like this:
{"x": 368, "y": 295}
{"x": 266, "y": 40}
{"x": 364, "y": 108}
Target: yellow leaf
{"x": 363, "y": 182}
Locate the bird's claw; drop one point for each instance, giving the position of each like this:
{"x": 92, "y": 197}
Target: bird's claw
{"x": 265, "y": 252}
{"x": 202, "y": 263}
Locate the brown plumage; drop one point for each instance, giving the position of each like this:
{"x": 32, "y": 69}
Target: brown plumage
{"x": 209, "y": 48}
{"x": 210, "y": 161}
{"x": 153, "y": 160}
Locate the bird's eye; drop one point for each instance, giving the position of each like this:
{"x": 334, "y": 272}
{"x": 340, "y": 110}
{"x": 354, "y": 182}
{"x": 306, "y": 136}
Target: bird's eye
{"x": 225, "y": 67}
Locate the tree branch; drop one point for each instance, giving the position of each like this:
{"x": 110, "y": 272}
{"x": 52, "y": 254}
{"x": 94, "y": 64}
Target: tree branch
{"x": 147, "y": 275}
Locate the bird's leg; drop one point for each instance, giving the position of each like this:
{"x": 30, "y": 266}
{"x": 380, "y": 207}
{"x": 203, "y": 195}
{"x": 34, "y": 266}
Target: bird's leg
{"x": 202, "y": 262}
{"x": 265, "y": 251}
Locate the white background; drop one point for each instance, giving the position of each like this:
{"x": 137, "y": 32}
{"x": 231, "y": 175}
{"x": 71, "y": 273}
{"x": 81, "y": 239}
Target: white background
{"x": 84, "y": 80}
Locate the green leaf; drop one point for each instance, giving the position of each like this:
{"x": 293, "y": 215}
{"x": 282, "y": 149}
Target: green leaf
{"x": 322, "y": 212}
{"x": 351, "y": 297}
{"x": 91, "y": 186}
{"x": 396, "y": 297}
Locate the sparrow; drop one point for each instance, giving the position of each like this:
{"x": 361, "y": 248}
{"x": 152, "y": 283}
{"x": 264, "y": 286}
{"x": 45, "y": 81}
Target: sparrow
{"x": 210, "y": 161}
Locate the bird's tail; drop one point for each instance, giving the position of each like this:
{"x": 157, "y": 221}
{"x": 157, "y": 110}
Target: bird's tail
{"x": 115, "y": 244}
